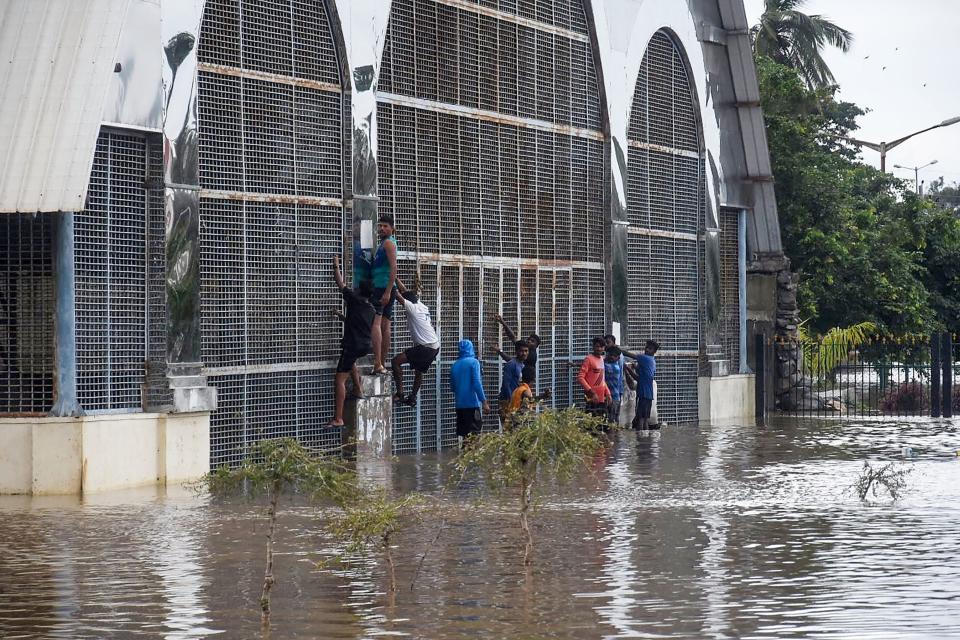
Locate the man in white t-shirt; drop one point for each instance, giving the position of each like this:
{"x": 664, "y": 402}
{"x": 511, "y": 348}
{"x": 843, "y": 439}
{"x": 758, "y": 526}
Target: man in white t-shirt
{"x": 426, "y": 344}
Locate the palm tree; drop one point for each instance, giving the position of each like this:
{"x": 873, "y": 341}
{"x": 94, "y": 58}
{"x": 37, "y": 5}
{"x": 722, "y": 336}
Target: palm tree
{"x": 795, "y": 39}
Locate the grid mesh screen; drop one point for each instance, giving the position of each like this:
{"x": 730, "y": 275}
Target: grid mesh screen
{"x": 483, "y": 193}
{"x": 119, "y": 277}
{"x": 666, "y": 213}
{"x": 27, "y": 306}
{"x": 730, "y": 287}
{"x": 277, "y": 145}
{"x": 466, "y": 308}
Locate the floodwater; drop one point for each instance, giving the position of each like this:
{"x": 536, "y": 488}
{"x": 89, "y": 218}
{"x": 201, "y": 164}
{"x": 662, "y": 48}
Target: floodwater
{"x": 723, "y": 532}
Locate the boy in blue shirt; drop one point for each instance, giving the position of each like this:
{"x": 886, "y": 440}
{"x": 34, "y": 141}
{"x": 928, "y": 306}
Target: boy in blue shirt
{"x": 646, "y": 370}
{"x": 613, "y": 376}
{"x": 512, "y": 371}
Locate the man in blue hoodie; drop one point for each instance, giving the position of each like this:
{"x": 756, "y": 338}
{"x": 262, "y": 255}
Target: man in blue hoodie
{"x": 467, "y": 388}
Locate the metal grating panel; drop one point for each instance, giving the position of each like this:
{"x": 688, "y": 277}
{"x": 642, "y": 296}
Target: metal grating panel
{"x": 111, "y": 260}
{"x": 27, "y": 306}
{"x": 472, "y": 193}
{"x": 274, "y": 127}
{"x": 730, "y": 287}
{"x": 666, "y": 197}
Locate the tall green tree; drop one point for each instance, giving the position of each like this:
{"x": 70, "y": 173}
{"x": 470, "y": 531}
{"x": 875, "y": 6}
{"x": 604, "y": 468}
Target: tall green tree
{"x": 856, "y": 235}
{"x": 795, "y": 39}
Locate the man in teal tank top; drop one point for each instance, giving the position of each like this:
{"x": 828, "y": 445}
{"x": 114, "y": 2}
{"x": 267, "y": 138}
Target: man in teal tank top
{"x": 384, "y": 275}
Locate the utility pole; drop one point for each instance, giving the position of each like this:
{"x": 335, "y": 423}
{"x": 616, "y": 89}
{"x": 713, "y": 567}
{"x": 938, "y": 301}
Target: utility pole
{"x": 916, "y": 174}
{"x": 883, "y": 147}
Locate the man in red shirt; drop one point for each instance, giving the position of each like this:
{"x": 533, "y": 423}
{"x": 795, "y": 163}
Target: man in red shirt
{"x": 591, "y": 378}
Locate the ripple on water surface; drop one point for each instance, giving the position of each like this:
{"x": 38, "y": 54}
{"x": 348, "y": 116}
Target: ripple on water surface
{"x": 692, "y": 532}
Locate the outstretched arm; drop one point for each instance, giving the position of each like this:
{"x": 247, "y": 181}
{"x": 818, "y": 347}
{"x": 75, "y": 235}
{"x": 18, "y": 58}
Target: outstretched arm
{"x": 510, "y": 333}
{"x": 337, "y": 276}
{"x": 499, "y": 352}
{"x": 336, "y": 313}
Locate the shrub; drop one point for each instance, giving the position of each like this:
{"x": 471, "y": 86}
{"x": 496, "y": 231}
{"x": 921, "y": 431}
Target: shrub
{"x": 906, "y": 397}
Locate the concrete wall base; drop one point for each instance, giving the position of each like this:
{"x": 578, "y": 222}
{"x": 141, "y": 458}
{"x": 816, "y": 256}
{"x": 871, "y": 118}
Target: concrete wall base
{"x": 727, "y": 400}
{"x": 369, "y": 422}
{"x": 51, "y": 456}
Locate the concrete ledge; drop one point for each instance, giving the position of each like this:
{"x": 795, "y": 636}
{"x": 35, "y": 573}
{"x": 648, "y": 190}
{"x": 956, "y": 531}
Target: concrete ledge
{"x": 51, "y": 456}
{"x": 727, "y": 399}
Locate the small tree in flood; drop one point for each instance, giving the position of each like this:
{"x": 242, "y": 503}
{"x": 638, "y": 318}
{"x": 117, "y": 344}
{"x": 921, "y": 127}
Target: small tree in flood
{"x": 275, "y": 468}
{"x": 888, "y": 477}
{"x": 554, "y": 445}
{"x": 373, "y": 519}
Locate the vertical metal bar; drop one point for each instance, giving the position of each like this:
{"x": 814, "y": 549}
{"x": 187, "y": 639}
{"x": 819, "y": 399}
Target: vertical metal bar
{"x": 946, "y": 344}
{"x": 742, "y": 286}
{"x": 66, "y": 321}
{"x": 935, "y": 375}
{"x": 760, "y": 380}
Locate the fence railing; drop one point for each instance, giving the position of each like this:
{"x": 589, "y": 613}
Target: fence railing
{"x": 906, "y": 376}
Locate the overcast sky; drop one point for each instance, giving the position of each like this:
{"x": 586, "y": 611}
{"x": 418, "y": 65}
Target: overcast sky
{"x": 910, "y": 80}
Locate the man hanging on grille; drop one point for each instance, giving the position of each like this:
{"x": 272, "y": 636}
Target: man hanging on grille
{"x": 426, "y": 344}
{"x": 384, "y": 274}
{"x": 533, "y": 343}
{"x": 356, "y": 341}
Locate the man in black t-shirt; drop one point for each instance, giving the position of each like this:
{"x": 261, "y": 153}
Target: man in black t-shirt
{"x": 533, "y": 341}
{"x": 356, "y": 339}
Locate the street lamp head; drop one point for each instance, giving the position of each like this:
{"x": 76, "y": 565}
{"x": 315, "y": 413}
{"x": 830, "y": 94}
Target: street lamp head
{"x": 947, "y": 123}
{"x": 900, "y": 166}
{"x": 933, "y": 163}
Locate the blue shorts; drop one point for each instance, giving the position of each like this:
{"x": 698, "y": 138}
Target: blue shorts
{"x": 387, "y": 311}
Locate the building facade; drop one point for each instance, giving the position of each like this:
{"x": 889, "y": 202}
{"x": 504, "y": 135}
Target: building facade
{"x": 578, "y": 167}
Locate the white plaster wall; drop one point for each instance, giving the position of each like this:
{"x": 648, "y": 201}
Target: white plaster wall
{"x": 56, "y": 456}
{"x": 726, "y": 400}
{"x": 184, "y": 446}
{"x": 120, "y": 451}
{"x": 16, "y": 459}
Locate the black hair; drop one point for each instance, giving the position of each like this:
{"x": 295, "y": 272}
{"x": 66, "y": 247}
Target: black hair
{"x": 652, "y": 346}
{"x": 599, "y": 341}
{"x": 529, "y": 374}
{"x": 386, "y": 218}
{"x": 614, "y": 351}
{"x": 410, "y": 295}
{"x": 521, "y": 344}
{"x": 610, "y": 338}
{"x": 534, "y": 336}
{"x": 365, "y": 288}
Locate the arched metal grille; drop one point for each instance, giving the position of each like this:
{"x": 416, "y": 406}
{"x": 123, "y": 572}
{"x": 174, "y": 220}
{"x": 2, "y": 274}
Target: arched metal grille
{"x": 491, "y": 161}
{"x": 273, "y": 117}
{"x": 666, "y": 213}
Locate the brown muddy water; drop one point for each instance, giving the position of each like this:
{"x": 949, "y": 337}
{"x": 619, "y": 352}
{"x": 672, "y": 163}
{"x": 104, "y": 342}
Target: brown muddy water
{"x": 714, "y": 532}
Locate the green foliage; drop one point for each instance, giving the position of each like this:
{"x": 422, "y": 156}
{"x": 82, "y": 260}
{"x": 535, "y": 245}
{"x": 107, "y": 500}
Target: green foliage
{"x": 794, "y": 39}
{"x": 375, "y": 517}
{"x": 867, "y": 248}
{"x": 275, "y": 467}
{"x": 554, "y": 445}
{"x": 822, "y": 355}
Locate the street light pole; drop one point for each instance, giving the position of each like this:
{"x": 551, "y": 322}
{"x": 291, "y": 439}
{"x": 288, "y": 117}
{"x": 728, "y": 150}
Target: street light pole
{"x": 883, "y": 147}
{"x": 916, "y": 173}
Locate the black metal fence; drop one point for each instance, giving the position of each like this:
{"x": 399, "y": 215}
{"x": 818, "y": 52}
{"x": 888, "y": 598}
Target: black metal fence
{"x": 896, "y": 377}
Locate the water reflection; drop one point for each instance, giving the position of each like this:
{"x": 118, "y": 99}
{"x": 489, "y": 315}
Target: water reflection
{"x": 711, "y": 532}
